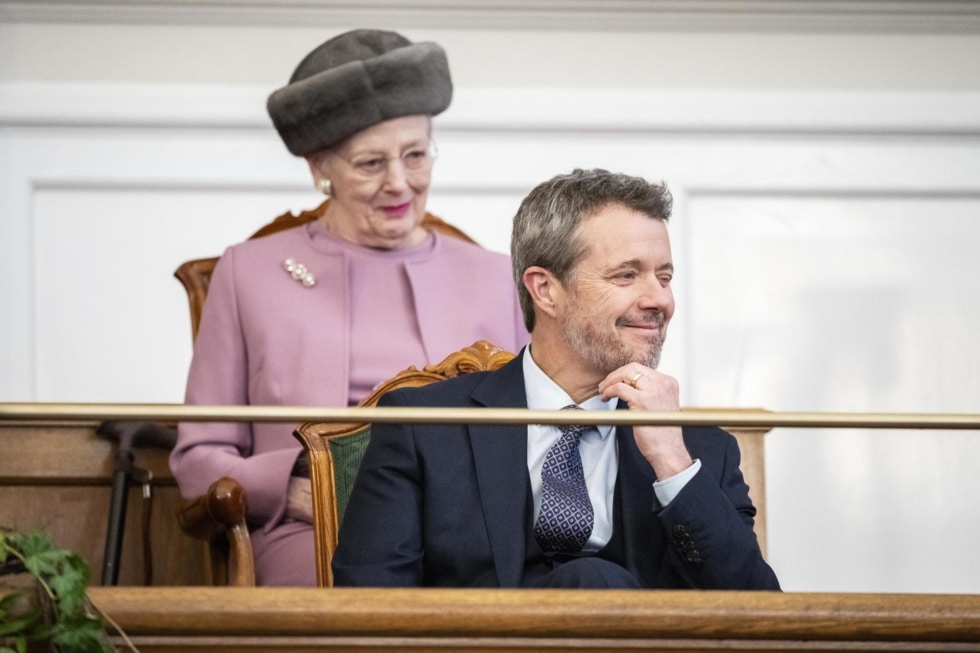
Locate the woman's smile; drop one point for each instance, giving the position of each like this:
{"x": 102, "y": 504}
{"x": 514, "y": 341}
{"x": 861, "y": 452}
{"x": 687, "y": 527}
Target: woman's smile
{"x": 397, "y": 210}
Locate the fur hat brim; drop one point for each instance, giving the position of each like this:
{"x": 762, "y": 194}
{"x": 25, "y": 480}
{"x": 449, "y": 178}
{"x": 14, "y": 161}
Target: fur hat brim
{"x": 316, "y": 112}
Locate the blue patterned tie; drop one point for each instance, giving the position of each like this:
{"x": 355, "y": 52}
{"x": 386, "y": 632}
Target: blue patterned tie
{"x": 566, "y": 518}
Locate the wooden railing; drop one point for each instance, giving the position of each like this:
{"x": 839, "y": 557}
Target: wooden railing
{"x": 232, "y": 619}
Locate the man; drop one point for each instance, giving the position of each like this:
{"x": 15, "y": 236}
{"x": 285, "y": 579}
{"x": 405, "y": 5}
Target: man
{"x": 515, "y": 506}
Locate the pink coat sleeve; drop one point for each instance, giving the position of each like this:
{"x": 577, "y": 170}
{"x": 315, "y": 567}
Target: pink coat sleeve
{"x": 218, "y": 375}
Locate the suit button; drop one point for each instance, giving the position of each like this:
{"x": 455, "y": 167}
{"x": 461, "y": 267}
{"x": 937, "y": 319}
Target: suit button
{"x": 681, "y": 535}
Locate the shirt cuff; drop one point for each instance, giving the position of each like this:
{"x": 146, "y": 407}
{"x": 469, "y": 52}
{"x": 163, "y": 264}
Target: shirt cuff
{"x": 667, "y": 489}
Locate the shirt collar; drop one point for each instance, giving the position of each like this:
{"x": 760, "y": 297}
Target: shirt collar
{"x": 544, "y": 394}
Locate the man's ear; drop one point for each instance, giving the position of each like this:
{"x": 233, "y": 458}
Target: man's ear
{"x": 543, "y": 288}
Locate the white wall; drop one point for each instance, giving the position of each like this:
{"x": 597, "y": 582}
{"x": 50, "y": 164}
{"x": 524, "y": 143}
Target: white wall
{"x": 825, "y": 169}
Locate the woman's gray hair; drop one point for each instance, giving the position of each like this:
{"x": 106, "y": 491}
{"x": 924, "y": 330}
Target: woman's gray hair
{"x": 544, "y": 232}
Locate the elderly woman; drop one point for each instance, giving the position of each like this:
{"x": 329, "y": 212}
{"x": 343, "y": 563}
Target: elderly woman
{"x": 321, "y": 313}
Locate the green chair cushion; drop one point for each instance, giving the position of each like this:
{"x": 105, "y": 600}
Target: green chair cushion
{"x": 347, "y": 453}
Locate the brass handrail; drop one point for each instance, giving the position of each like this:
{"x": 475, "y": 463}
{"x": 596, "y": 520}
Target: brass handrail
{"x": 688, "y": 416}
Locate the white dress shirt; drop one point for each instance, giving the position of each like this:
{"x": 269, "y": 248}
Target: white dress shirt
{"x": 598, "y": 448}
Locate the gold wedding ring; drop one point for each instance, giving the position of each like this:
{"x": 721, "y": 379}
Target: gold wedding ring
{"x": 636, "y": 377}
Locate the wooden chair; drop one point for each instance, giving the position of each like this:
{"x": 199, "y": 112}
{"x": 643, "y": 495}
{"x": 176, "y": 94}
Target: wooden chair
{"x": 335, "y": 450}
{"x": 218, "y": 517}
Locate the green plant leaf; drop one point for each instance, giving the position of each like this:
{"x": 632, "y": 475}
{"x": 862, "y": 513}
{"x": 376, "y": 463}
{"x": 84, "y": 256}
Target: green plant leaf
{"x": 8, "y": 602}
{"x": 85, "y": 637}
{"x": 14, "y": 622}
{"x": 69, "y": 585}
{"x": 43, "y": 563}
{"x": 21, "y": 647}
{"x": 18, "y": 624}
{"x": 63, "y": 576}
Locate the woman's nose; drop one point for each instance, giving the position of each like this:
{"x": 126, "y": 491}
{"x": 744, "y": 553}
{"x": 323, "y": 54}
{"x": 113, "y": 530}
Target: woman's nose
{"x": 395, "y": 175}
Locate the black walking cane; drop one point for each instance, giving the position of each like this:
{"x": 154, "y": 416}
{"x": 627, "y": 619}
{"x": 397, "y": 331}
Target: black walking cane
{"x": 129, "y": 435}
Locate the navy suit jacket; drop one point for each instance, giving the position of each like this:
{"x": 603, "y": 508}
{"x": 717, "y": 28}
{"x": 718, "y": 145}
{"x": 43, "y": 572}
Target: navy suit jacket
{"x": 449, "y": 505}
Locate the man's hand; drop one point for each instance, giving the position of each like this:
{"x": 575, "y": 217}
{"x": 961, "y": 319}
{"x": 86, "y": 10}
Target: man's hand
{"x": 644, "y": 388}
{"x": 299, "y": 499}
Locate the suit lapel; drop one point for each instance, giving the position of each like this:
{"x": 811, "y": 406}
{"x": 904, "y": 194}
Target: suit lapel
{"x": 642, "y": 540}
{"x": 500, "y": 456}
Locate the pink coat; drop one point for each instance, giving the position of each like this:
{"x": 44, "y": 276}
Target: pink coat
{"x": 265, "y": 339}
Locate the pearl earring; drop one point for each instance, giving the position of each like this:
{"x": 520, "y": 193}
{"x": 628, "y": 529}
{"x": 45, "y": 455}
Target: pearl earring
{"x": 324, "y": 186}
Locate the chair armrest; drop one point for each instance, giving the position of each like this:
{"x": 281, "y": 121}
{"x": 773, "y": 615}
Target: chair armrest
{"x": 218, "y": 518}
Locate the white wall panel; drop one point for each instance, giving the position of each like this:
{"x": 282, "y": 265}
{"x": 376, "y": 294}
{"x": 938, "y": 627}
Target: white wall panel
{"x": 111, "y": 321}
{"x": 152, "y": 198}
{"x": 848, "y": 303}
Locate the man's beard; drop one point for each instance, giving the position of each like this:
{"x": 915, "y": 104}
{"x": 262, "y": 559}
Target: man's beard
{"x": 607, "y": 352}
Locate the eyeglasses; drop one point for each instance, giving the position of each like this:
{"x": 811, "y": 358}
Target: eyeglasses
{"x": 415, "y": 161}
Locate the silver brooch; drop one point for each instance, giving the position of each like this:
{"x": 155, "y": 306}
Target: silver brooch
{"x": 299, "y": 272}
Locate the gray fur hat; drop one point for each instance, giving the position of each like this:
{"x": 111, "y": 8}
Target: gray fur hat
{"x": 356, "y": 80}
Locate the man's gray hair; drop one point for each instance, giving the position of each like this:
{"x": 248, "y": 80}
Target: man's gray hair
{"x": 544, "y": 232}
